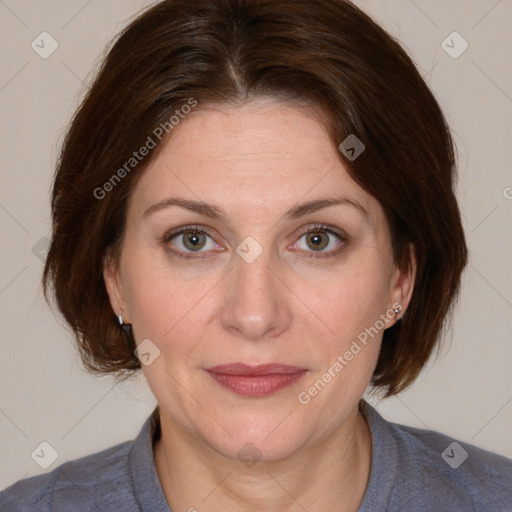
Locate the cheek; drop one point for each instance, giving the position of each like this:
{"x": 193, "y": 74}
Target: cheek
{"x": 158, "y": 295}
{"x": 351, "y": 308}
{"x": 350, "y": 304}
{"x": 351, "y": 299}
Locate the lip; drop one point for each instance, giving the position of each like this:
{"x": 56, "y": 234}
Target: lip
{"x": 260, "y": 369}
{"x": 256, "y": 381}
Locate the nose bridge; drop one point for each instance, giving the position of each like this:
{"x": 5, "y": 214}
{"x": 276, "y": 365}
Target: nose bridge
{"x": 255, "y": 302}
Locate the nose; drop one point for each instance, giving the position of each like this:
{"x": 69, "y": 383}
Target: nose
{"x": 256, "y": 301}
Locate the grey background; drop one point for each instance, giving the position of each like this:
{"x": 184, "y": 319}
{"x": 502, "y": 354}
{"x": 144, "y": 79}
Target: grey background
{"x": 47, "y": 396}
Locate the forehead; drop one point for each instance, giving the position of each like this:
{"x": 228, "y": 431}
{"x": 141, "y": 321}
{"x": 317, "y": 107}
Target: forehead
{"x": 263, "y": 154}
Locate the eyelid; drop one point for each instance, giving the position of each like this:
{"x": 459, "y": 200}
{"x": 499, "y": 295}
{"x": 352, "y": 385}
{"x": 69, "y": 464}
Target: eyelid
{"x": 313, "y": 228}
{"x": 168, "y": 235}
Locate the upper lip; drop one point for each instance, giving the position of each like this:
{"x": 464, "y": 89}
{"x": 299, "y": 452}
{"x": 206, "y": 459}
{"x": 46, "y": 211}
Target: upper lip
{"x": 260, "y": 369}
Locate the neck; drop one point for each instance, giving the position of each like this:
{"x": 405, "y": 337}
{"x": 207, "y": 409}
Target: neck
{"x": 331, "y": 475}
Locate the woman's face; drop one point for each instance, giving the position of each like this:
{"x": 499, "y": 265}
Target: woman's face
{"x": 251, "y": 285}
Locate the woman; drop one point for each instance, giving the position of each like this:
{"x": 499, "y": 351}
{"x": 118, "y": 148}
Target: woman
{"x": 254, "y": 204}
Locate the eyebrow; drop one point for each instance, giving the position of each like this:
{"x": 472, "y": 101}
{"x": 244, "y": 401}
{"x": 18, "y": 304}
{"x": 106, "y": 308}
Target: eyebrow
{"x": 215, "y": 212}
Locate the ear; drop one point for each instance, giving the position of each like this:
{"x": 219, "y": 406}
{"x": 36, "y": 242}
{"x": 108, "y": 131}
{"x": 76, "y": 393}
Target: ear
{"x": 114, "y": 287}
{"x": 402, "y": 284}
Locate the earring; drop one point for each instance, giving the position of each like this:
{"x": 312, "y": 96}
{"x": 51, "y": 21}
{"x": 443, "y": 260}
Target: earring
{"x": 397, "y": 311}
{"x": 127, "y": 331}
{"x": 121, "y": 321}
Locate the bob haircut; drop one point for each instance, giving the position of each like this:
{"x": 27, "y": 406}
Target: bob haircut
{"x": 326, "y": 54}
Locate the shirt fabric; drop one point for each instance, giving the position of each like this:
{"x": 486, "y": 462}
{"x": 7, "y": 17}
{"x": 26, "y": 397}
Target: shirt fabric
{"x": 411, "y": 470}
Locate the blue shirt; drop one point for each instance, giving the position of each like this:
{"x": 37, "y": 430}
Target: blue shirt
{"x": 411, "y": 470}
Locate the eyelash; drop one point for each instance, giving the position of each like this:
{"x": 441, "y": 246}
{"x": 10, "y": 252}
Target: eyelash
{"x": 316, "y": 228}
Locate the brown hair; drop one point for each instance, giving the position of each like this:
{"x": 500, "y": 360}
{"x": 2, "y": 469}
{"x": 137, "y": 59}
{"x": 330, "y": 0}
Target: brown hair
{"x": 325, "y": 53}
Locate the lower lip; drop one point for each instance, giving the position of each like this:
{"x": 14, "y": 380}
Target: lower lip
{"x": 257, "y": 385}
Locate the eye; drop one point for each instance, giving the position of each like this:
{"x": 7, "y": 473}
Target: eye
{"x": 322, "y": 240}
{"x": 189, "y": 240}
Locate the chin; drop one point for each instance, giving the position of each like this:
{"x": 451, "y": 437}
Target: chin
{"x": 263, "y": 450}
{"x": 257, "y": 437}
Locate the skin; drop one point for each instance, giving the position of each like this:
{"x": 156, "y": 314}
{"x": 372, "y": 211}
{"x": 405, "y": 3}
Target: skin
{"x": 256, "y": 161}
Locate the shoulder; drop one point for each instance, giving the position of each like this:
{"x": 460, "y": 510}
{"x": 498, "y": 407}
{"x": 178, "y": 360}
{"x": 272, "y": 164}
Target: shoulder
{"x": 446, "y": 470}
{"x": 74, "y": 485}
{"x": 462, "y": 461}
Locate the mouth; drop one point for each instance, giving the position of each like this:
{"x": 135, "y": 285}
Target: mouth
{"x": 256, "y": 381}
